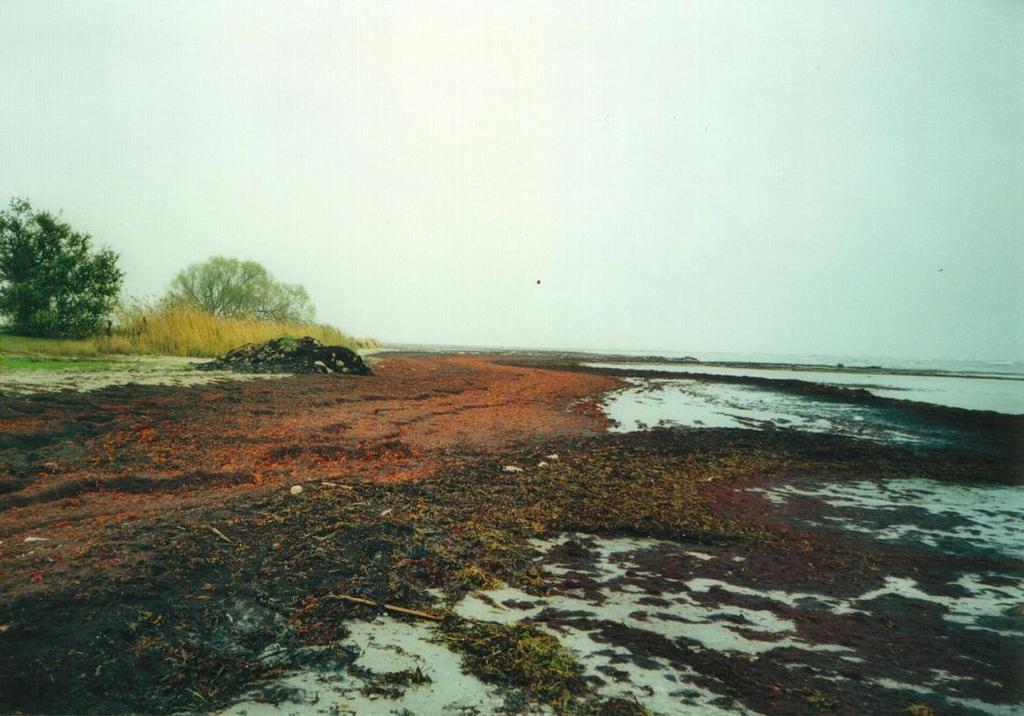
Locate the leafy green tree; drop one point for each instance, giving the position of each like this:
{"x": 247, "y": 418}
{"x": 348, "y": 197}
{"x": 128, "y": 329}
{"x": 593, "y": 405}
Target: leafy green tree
{"x": 229, "y": 287}
{"x": 51, "y": 282}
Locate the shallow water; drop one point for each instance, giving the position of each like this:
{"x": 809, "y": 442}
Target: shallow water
{"x": 650, "y": 403}
{"x": 1004, "y": 394}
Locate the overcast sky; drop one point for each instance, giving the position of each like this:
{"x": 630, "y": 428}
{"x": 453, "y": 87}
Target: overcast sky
{"x": 770, "y": 177}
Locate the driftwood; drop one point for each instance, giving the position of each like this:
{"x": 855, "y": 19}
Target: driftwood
{"x": 388, "y": 607}
{"x": 219, "y": 534}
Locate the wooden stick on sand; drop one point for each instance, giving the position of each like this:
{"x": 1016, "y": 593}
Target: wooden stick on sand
{"x": 389, "y": 607}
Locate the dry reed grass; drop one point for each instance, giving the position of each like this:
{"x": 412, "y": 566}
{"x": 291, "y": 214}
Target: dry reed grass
{"x": 148, "y": 330}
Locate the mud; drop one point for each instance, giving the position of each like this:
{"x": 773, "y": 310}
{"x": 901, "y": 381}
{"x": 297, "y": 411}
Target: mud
{"x": 153, "y": 557}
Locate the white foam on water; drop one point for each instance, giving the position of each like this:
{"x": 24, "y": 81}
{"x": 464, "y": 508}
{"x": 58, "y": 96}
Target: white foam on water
{"x": 686, "y": 618}
{"x": 983, "y": 601}
{"x": 652, "y": 403}
{"x": 660, "y": 685}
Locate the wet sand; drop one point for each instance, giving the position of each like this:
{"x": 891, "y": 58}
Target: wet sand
{"x": 153, "y": 556}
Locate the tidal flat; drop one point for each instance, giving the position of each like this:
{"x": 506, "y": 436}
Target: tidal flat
{"x": 485, "y": 534}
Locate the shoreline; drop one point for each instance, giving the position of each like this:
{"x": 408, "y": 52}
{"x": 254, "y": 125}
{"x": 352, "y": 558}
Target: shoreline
{"x": 553, "y": 355}
{"x": 447, "y": 479}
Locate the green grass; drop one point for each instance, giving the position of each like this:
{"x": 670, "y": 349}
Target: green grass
{"x": 8, "y": 363}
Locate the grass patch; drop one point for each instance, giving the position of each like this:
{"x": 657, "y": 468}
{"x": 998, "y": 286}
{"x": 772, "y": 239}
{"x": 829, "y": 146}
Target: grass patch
{"x": 34, "y": 363}
{"x": 143, "y": 330}
{"x": 56, "y": 347}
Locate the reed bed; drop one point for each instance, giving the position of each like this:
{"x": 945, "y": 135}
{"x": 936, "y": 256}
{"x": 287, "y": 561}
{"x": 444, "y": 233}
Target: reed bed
{"x": 176, "y": 331}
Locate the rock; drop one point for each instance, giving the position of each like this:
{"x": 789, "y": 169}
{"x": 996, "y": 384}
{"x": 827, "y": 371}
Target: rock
{"x": 296, "y": 489}
{"x": 289, "y": 355}
{"x": 511, "y": 468}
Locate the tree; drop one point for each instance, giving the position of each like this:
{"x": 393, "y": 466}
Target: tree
{"x": 51, "y": 282}
{"x": 229, "y": 287}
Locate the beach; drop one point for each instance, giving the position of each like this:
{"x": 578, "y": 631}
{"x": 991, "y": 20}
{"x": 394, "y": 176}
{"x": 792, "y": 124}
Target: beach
{"x": 484, "y": 533}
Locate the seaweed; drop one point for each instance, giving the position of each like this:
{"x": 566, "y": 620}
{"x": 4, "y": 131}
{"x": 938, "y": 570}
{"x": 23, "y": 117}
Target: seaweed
{"x": 189, "y": 594}
{"x": 518, "y": 655}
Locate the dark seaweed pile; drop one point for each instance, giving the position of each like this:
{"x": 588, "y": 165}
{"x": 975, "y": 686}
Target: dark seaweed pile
{"x": 290, "y": 355}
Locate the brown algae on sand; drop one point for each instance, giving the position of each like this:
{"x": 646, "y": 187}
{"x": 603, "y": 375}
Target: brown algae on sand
{"x": 518, "y": 655}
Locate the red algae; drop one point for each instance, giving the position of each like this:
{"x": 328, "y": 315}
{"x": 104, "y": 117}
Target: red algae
{"x": 88, "y": 456}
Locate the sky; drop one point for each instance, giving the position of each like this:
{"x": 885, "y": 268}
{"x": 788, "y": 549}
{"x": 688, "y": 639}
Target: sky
{"x": 837, "y": 178}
